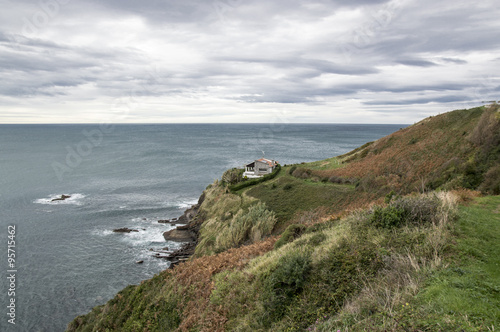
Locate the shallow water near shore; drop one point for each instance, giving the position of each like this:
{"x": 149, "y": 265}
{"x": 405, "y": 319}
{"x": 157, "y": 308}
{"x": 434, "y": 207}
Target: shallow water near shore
{"x": 68, "y": 259}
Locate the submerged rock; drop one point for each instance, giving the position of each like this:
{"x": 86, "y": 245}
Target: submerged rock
{"x": 62, "y": 198}
{"x": 124, "y": 230}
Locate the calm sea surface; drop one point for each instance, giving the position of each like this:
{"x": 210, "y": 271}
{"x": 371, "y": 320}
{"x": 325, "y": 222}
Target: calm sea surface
{"x": 68, "y": 260}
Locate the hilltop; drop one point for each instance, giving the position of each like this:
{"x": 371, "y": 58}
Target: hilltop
{"x": 390, "y": 236}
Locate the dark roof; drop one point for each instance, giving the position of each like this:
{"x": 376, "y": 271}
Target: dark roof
{"x": 251, "y": 165}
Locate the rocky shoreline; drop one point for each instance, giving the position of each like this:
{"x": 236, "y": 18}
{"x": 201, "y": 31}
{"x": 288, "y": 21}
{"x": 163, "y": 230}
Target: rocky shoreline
{"x": 186, "y": 233}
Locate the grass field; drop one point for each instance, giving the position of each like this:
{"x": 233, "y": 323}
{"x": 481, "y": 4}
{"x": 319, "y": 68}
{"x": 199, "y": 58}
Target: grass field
{"x": 288, "y": 196}
{"x": 467, "y": 293}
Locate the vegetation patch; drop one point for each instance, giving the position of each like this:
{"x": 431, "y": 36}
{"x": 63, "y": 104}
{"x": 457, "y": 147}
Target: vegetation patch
{"x": 291, "y": 233}
{"x": 283, "y": 284}
{"x": 418, "y": 210}
{"x": 246, "y": 226}
{"x": 304, "y": 196}
{"x": 247, "y": 183}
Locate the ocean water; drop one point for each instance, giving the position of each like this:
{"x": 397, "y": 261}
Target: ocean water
{"x": 67, "y": 259}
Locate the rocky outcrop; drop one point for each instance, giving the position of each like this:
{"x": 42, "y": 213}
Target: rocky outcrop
{"x": 178, "y": 235}
{"x": 124, "y": 230}
{"x": 188, "y": 233}
{"x": 62, "y": 198}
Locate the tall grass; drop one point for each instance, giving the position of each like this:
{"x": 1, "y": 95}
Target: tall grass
{"x": 250, "y": 225}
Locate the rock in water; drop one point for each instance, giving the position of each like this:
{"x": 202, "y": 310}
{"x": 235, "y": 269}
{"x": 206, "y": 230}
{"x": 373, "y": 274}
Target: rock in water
{"x": 62, "y": 198}
{"x": 124, "y": 230}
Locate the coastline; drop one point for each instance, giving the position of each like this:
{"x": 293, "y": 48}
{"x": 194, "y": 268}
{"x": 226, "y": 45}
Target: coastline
{"x": 187, "y": 233}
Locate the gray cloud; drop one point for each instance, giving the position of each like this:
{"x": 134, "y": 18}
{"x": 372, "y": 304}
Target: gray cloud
{"x": 232, "y": 55}
{"x": 444, "y": 99}
{"x": 416, "y": 62}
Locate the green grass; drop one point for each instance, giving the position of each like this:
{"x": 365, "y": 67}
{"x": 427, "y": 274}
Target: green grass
{"x": 287, "y": 195}
{"x": 330, "y": 163}
{"x": 467, "y": 294}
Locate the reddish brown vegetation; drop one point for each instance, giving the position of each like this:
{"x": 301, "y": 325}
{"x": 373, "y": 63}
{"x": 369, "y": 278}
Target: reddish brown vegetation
{"x": 195, "y": 278}
{"x": 404, "y": 160}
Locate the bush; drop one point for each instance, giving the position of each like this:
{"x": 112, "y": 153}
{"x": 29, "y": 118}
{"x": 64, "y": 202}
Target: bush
{"x": 302, "y": 173}
{"x": 287, "y": 186}
{"x": 283, "y": 284}
{"x": 387, "y": 217}
{"x": 335, "y": 179}
{"x": 232, "y": 176}
{"x": 332, "y": 280}
{"x": 291, "y": 233}
{"x": 412, "y": 210}
{"x": 491, "y": 183}
{"x": 248, "y": 183}
{"x": 418, "y": 210}
{"x": 292, "y": 169}
{"x": 251, "y": 225}
{"x": 389, "y": 196}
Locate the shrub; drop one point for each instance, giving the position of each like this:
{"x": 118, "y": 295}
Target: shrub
{"x": 287, "y": 186}
{"x": 302, "y": 173}
{"x": 283, "y": 284}
{"x": 291, "y": 233}
{"x": 232, "y": 176}
{"x": 292, "y": 169}
{"x": 316, "y": 239}
{"x": 251, "y": 225}
{"x": 248, "y": 183}
{"x": 389, "y": 196}
{"x": 491, "y": 183}
{"x": 332, "y": 280}
{"x": 387, "y": 217}
{"x": 421, "y": 209}
{"x": 335, "y": 179}
{"x": 412, "y": 210}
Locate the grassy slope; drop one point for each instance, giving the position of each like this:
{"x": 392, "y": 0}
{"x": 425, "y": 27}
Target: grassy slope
{"x": 288, "y": 195}
{"x": 428, "y": 154}
{"x": 467, "y": 293}
{"x": 462, "y": 295}
{"x": 347, "y": 273}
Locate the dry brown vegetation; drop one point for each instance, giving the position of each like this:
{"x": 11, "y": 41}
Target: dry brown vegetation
{"x": 408, "y": 159}
{"x": 196, "y": 275}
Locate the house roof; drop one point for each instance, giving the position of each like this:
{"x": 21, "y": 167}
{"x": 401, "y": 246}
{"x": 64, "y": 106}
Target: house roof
{"x": 252, "y": 164}
{"x": 271, "y": 163}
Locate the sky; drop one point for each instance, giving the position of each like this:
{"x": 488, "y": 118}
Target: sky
{"x": 235, "y": 61}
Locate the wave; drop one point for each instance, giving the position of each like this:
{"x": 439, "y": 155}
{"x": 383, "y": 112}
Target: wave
{"x": 75, "y": 199}
{"x": 187, "y": 204}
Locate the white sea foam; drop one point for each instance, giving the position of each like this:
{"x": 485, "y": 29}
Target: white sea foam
{"x": 145, "y": 236}
{"x": 102, "y": 232}
{"x": 187, "y": 204}
{"x": 75, "y": 199}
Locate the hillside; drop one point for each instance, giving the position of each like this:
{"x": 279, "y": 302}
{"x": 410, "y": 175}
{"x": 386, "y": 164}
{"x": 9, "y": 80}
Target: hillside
{"x": 391, "y": 236}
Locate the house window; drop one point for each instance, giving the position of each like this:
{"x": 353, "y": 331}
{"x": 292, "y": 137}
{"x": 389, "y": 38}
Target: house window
{"x": 262, "y": 169}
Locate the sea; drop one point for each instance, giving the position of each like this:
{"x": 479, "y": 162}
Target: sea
{"x": 61, "y": 258}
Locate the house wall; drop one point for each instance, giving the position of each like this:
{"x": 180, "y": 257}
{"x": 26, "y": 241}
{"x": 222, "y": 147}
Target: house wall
{"x": 262, "y": 168}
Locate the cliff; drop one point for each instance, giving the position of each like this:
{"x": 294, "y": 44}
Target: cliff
{"x": 391, "y": 236}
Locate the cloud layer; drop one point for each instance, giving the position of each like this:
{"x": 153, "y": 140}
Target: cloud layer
{"x": 238, "y": 61}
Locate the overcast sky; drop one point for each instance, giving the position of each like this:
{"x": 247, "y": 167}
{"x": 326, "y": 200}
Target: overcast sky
{"x": 153, "y": 61}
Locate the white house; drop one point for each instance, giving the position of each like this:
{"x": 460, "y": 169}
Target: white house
{"x": 259, "y": 168}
